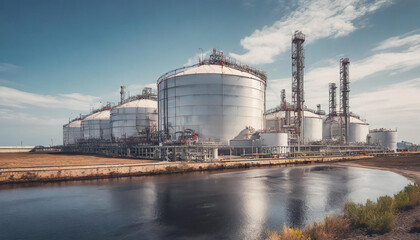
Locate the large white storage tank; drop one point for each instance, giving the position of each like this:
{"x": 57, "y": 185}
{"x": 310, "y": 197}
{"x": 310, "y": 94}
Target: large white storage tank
{"x": 312, "y": 124}
{"x": 384, "y": 137}
{"x": 130, "y": 119}
{"x": 217, "y": 99}
{"x": 72, "y": 132}
{"x": 97, "y": 126}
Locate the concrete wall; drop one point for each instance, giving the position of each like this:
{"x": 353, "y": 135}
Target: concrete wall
{"x": 13, "y": 149}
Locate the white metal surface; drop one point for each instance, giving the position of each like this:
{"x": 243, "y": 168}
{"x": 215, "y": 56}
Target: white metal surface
{"x": 358, "y": 129}
{"x": 331, "y": 129}
{"x": 97, "y": 126}
{"x": 312, "y": 124}
{"x": 131, "y": 118}
{"x": 72, "y": 132}
{"x": 274, "y": 139}
{"x": 215, "y": 101}
{"x": 312, "y": 127}
{"x": 384, "y": 137}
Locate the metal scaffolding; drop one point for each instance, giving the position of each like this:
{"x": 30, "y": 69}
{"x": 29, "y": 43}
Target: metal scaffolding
{"x": 344, "y": 99}
{"x": 332, "y": 100}
{"x": 298, "y": 64}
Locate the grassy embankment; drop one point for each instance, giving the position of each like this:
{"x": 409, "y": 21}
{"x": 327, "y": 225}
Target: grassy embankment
{"x": 372, "y": 217}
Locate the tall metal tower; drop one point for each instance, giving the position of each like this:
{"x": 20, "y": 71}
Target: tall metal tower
{"x": 344, "y": 98}
{"x": 122, "y": 94}
{"x": 298, "y": 64}
{"x": 283, "y": 99}
{"x": 333, "y": 100}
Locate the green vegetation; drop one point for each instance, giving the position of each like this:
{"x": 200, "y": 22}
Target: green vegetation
{"x": 373, "y": 217}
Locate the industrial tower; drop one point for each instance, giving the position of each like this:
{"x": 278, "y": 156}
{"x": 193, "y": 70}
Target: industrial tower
{"x": 344, "y": 98}
{"x": 298, "y": 64}
{"x": 333, "y": 100}
{"x": 122, "y": 94}
{"x": 283, "y": 99}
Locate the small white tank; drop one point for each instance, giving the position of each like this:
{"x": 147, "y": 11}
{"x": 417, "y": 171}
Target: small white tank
{"x": 131, "y": 118}
{"x": 384, "y": 137}
{"x": 358, "y": 129}
{"x": 274, "y": 139}
{"x": 312, "y": 124}
{"x": 72, "y": 132}
{"x": 97, "y": 126}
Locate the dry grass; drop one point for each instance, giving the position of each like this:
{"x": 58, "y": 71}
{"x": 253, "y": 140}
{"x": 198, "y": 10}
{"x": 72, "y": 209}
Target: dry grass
{"x": 333, "y": 227}
{"x": 287, "y": 233}
{"x": 10, "y": 160}
{"x": 374, "y": 217}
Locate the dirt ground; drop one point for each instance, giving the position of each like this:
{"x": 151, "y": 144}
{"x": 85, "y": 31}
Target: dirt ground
{"x": 408, "y": 166}
{"x": 12, "y": 160}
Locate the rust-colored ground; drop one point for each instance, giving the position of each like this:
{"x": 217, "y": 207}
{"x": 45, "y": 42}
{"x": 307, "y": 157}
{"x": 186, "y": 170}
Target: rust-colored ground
{"x": 408, "y": 165}
{"x": 10, "y": 160}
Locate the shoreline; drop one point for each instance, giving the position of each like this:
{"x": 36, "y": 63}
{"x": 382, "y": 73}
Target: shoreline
{"x": 99, "y": 171}
{"x": 413, "y": 175}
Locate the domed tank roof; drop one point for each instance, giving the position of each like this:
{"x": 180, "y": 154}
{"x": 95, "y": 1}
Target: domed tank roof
{"x": 311, "y": 115}
{"x": 74, "y": 124}
{"x": 357, "y": 121}
{"x": 102, "y": 115}
{"x": 214, "y": 69}
{"x": 139, "y": 103}
{"x": 282, "y": 114}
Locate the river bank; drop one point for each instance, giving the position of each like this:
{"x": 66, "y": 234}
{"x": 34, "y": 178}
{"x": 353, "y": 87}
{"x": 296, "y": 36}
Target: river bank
{"x": 62, "y": 167}
{"x": 408, "y": 166}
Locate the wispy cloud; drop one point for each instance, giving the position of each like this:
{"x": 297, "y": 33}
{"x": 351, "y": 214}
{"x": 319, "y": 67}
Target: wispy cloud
{"x": 399, "y": 41}
{"x": 394, "y": 105}
{"x": 15, "y": 117}
{"x": 196, "y": 57}
{"x": 317, "y": 19}
{"x": 11, "y": 97}
{"x": 7, "y": 67}
{"x": 317, "y": 79}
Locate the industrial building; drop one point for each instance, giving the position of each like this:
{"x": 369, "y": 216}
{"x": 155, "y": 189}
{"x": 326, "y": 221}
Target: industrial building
{"x": 218, "y": 107}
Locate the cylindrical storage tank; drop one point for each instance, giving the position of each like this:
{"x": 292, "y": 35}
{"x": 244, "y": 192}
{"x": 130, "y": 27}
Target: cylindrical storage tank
{"x": 385, "y": 138}
{"x": 130, "y": 119}
{"x": 273, "y": 121}
{"x": 72, "y": 132}
{"x": 331, "y": 129}
{"x": 215, "y": 101}
{"x": 97, "y": 126}
{"x": 359, "y": 130}
{"x": 312, "y": 130}
{"x": 274, "y": 139}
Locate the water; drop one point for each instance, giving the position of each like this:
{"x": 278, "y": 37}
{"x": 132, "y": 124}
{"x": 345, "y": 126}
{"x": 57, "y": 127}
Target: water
{"x": 239, "y": 204}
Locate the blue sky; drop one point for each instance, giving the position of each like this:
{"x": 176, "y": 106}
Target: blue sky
{"x": 61, "y": 58}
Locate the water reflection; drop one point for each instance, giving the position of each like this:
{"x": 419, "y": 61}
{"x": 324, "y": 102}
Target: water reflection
{"x": 217, "y": 205}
